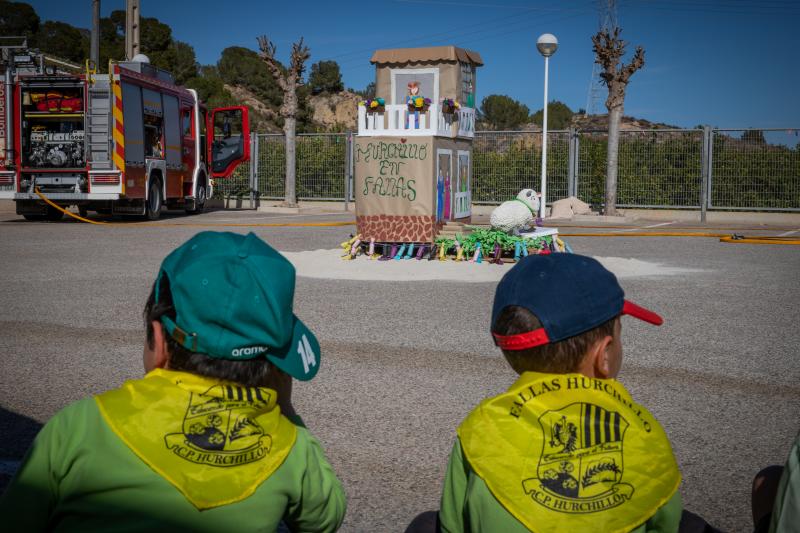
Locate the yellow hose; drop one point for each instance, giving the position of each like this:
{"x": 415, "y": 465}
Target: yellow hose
{"x": 723, "y": 237}
{"x": 73, "y": 215}
{"x": 736, "y": 239}
{"x": 229, "y": 225}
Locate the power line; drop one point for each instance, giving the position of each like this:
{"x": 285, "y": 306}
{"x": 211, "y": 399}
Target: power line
{"x": 514, "y": 27}
{"x": 726, "y": 8}
{"x": 482, "y": 24}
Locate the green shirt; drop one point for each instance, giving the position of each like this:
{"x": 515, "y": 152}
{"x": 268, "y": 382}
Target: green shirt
{"x": 79, "y": 476}
{"x": 786, "y": 513}
{"x": 468, "y": 504}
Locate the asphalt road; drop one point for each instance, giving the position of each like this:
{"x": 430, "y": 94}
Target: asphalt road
{"x": 404, "y": 362}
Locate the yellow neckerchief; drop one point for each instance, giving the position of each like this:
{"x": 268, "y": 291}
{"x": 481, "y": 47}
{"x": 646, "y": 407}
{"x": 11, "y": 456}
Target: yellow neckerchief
{"x": 564, "y": 452}
{"x": 214, "y": 441}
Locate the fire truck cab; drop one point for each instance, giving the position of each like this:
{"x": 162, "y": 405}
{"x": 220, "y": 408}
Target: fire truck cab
{"x": 128, "y": 142}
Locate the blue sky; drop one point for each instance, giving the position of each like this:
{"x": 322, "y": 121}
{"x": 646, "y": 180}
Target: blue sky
{"x": 727, "y": 63}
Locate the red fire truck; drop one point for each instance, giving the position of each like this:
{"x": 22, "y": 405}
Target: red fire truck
{"x": 128, "y": 142}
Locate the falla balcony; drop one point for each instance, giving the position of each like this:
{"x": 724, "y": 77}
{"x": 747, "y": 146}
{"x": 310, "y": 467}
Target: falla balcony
{"x": 400, "y": 121}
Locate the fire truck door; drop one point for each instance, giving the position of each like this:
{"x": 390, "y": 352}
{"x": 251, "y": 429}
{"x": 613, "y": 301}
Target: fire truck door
{"x": 172, "y": 138}
{"x": 229, "y": 141}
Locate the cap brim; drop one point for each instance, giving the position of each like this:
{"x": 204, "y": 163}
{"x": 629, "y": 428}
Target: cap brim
{"x": 301, "y": 356}
{"x": 637, "y": 311}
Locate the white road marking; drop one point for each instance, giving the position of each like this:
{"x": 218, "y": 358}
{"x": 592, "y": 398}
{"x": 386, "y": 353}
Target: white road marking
{"x": 263, "y": 218}
{"x": 646, "y": 227}
{"x": 786, "y": 234}
{"x": 659, "y": 225}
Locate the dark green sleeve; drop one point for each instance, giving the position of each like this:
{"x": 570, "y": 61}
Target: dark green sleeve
{"x": 454, "y": 494}
{"x": 321, "y": 504}
{"x": 31, "y": 498}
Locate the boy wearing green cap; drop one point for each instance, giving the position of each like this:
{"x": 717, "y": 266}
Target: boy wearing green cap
{"x": 208, "y": 439}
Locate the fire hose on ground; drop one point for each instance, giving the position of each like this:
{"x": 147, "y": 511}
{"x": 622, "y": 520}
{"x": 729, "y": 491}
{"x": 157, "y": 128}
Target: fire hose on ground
{"x": 151, "y": 225}
{"x": 723, "y": 237}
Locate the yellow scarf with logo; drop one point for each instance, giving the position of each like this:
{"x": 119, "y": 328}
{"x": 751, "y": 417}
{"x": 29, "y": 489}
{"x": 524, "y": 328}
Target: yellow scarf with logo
{"x": 564, "y": 452}
{"x": 214, "y": 441}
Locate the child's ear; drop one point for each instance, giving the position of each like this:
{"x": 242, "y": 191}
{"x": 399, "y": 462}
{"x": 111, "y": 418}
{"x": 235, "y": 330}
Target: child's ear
{"x": 160, "y": 349}
{"x": 599, "y": 358}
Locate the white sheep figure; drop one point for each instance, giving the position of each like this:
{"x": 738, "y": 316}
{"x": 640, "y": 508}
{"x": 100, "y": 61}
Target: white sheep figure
{"x": 517, "y": 214}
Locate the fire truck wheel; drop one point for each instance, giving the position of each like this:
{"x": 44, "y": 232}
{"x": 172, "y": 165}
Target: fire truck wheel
{"x": 199, "y": 198}
{"x": 154, "y": 200}
{"x": 83, "y": 211}
{"x": 35, "y": 218}
{"x": 53, "y": 214}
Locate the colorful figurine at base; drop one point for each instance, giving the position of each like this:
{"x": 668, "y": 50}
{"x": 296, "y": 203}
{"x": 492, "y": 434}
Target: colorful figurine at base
{"x": 477, "y": 257}
{"x": 392, "y": 251}
{"x": 498, "y": 252}
{"x": 459, "y": 252}
{"x": 347, "y": 246}
{"x": 355, "y": 249}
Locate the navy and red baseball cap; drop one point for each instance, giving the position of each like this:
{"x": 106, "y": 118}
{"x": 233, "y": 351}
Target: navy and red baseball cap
{"x": 569, "y": 294}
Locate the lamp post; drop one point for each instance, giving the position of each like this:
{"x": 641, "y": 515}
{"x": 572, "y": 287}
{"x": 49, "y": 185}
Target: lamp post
{"x": 547, "y": 44}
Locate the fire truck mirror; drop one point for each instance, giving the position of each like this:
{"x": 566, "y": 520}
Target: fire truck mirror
{"x": 228, "y": 146}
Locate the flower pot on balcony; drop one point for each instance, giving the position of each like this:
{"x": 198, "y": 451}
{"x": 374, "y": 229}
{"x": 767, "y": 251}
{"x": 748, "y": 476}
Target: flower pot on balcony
{"x": 378, "y": 109}
{"x": 450, "y": 110}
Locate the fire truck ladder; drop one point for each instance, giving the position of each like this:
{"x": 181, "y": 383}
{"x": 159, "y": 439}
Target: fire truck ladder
{"x": 99, "y": 124}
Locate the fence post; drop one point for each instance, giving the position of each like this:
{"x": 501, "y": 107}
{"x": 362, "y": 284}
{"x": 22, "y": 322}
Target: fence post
{"x": 348, "y": 140}
{"x": 252, "y": 176}
{"x": 572, "y": 171}
{"x": 577, "y": 163}
{"x": 705, "y": 173}
{"x": 351, "y": 178}
{"x": 256, "y": 147}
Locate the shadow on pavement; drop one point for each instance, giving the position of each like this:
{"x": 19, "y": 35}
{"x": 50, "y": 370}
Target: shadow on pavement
{"x": 18, "y": 432}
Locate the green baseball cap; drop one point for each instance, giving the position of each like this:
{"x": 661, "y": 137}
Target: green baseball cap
{"x": 233, "y": 297}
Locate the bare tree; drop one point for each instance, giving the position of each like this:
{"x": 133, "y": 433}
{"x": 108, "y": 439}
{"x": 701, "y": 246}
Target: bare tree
{"x": 609, "y": 49}
{"x": 288, "y": 80}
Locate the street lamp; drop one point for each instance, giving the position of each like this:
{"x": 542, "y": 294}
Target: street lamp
{"x": 547, "y": 44}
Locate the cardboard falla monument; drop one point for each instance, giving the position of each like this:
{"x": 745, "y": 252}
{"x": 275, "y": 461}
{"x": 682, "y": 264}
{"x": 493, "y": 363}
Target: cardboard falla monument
{"x": 413, "y": 153}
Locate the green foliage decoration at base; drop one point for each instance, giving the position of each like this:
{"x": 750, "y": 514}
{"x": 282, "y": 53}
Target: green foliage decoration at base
{"x": 488, "y": 238}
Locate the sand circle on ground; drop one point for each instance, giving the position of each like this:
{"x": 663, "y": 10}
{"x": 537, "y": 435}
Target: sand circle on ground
{"x": 328, "y": 264}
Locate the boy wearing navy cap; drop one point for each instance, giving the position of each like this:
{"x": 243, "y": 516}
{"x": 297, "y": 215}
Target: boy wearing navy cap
{"x": 202, "y": 442}
{"x": 565, "y": 448}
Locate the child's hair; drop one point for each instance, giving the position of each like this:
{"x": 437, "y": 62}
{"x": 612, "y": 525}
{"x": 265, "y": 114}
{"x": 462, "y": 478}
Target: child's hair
{"x": 248, "y": 372}
{"x": 557, "y": 357}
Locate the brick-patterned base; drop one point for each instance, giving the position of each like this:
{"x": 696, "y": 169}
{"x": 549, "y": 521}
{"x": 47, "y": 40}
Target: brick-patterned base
{"x": 397, "y": 228}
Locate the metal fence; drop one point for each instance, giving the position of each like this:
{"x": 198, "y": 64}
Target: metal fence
{"x": 753, "y": 169}
{"x": 321, "y": 168}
